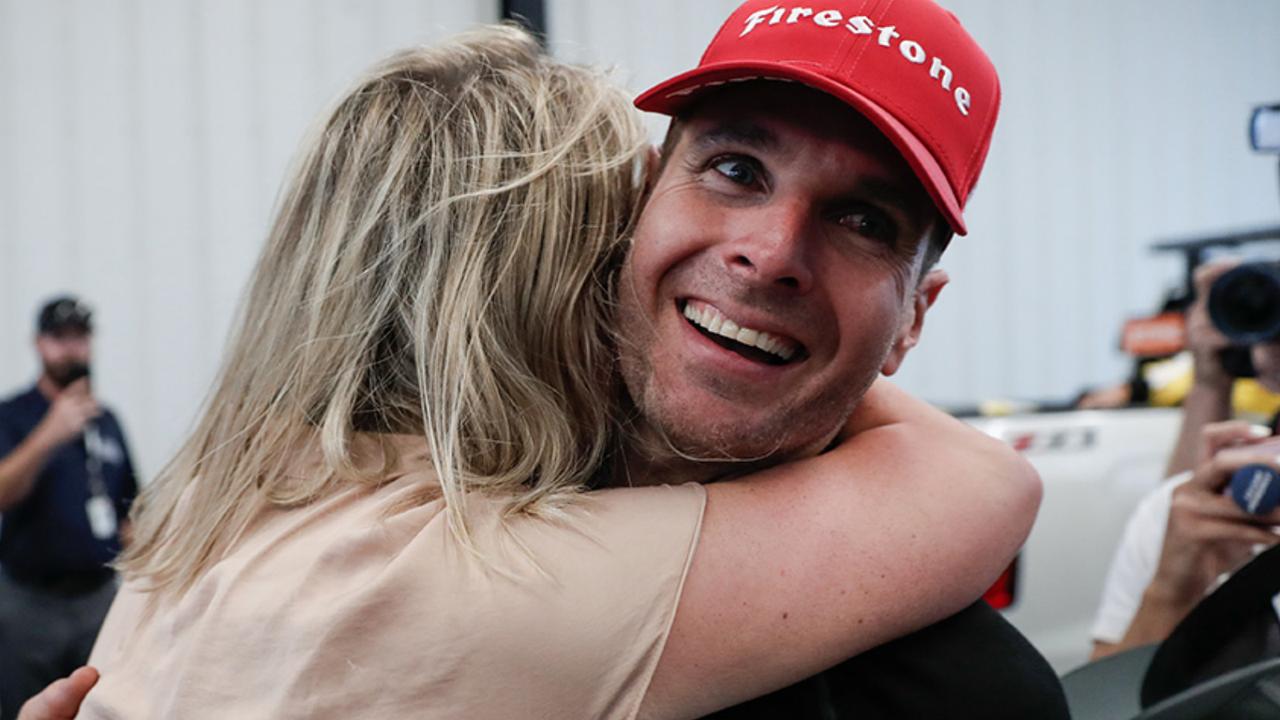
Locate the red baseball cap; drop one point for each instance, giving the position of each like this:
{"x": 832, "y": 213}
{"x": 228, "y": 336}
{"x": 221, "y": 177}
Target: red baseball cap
{"x": 907, "y": 65}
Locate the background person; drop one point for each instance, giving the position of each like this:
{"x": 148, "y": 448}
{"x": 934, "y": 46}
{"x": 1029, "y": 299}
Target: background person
{"x": 1184, "y": 535}
{"x": 66, "y": 482}
{"x": 1181, "y": 540}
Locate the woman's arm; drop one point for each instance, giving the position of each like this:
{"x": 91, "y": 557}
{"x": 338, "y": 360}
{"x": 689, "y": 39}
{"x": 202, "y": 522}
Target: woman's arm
{"x": 906, "y": 521}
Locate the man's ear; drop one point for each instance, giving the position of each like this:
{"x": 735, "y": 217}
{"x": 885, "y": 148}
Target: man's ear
{"x": 926, "y": 294}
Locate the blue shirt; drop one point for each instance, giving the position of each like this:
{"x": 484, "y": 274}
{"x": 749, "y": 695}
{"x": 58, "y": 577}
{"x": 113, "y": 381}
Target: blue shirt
{"x": 47, "y": 536}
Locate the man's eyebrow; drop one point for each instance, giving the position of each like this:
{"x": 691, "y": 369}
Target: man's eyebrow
{"x": 910, "y": 201}
{"x": 737, "y": 133}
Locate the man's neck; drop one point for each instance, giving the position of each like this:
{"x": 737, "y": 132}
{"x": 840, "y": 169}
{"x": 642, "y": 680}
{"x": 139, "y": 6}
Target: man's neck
{"x": 641, "y": 466}
{"x": 649, "y": 459}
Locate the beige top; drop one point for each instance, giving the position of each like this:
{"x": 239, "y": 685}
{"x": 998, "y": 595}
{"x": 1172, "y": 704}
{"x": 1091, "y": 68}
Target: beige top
{"x": 338, "y": 611}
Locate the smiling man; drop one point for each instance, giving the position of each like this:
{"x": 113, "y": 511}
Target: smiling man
{"x": 817, "y": 165}
{"x": 812, "y": 176}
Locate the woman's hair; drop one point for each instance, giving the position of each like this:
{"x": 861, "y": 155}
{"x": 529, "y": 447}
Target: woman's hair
{"x": 442, "y": 265}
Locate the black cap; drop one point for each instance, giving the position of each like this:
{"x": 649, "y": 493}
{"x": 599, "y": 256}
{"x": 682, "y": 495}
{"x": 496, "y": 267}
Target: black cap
{"x": 63, "y": 314}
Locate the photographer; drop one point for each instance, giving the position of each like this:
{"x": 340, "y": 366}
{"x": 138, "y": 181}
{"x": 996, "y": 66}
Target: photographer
{"x": 66, "y": 482}
{"x": 1188, "y": 534}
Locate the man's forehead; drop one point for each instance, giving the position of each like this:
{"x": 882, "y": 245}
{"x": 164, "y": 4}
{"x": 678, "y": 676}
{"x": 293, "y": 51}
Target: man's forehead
{"x": 774, "y": 107}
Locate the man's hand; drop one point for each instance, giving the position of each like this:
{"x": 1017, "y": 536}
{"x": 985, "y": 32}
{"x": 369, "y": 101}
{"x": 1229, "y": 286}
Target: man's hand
{"x": 61, "y": 700}
{"x": 1209, "y": 400}
{"x": 1204, "y": 340}
{"x": 74, "y": 407}
{"x": 71, "y": 410}
{"x": 1207, "y": 533}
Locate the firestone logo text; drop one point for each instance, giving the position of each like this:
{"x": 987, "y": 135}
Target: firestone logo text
{"x": 910, "y": 50}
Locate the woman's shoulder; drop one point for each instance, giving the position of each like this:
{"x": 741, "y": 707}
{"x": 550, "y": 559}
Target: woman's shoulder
{"x": 601, "y": 529}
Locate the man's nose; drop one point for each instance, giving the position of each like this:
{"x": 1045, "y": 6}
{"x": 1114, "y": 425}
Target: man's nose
{"x": 771, "y": 248}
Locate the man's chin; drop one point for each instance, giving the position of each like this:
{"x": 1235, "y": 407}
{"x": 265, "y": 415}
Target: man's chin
{"x": 64, "y": 374}
{"x": 752, "y": 446}
{"x": 692, "y": 426}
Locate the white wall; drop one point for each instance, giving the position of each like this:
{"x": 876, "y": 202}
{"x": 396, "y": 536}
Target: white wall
{"x": 142, "y": 143}
{"x": 1123, "y": 122}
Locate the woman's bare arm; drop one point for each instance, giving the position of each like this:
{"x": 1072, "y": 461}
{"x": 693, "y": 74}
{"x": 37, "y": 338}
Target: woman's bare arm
{"x": 906, "y": 521}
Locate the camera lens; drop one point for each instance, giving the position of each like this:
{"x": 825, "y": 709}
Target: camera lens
{"x": 1245, "y": 303}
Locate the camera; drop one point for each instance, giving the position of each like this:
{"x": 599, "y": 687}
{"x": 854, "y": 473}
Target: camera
{"x": 1244, "y": 304}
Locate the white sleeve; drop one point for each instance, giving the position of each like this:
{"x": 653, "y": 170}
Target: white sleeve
{"x": 1135, "y": 561}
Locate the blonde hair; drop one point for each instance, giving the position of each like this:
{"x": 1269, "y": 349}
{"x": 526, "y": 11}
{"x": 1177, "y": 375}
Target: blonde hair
{"x": 441, "y": 264}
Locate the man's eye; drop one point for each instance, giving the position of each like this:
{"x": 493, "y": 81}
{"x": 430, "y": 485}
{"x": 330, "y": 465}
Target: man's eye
{"x": 871, "y": 223}
{"x": 738, "y": 170}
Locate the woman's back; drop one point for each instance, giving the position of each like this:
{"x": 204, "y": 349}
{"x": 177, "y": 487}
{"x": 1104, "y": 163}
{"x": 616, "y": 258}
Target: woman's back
{"x": 351, "y": 607}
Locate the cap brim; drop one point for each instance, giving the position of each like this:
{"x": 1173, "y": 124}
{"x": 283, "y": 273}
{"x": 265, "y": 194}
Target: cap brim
{"x": 672, "y": 96}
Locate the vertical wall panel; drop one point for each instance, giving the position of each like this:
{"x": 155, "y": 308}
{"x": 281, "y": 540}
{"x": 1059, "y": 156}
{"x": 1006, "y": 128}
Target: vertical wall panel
{"x": 233, "y": 207}
{"x": 40, "y": 174}
{"x": 1122, "y": 123}
{"x": 11, "y": 332}
{"x": 174, "y": 224}
{"x": 142, "y": 146}
{"x": 106, "y": 225}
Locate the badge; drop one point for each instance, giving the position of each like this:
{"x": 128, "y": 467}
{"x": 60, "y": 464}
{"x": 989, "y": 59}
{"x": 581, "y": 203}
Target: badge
{"x": 102, "y": 517}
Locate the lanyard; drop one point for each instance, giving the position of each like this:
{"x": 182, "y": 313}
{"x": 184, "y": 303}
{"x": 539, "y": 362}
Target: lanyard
{"x": 101, "y": 513}
{"x": 93, "y": 445}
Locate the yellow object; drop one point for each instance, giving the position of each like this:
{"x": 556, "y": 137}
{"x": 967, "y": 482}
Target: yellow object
{"x": 1169, "y": 381}
{"x": 1251, "y": 401}
{"x": 1003, "y": 407}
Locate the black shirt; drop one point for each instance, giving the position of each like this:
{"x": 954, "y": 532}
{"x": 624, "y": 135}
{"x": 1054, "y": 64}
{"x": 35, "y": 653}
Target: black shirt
{"x": 46, "y": 536}
{"x": 974, "y": 665}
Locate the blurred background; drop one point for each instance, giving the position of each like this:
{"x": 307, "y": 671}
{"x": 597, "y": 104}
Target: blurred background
{"x": 142, "y": 143}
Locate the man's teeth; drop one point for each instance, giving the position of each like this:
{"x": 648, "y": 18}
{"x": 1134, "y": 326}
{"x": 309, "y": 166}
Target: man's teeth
{"x": 708, "y": 318}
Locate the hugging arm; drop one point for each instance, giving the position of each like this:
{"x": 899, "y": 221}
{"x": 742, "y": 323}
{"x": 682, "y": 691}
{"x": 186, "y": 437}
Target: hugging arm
{"x": 906, "y": 521}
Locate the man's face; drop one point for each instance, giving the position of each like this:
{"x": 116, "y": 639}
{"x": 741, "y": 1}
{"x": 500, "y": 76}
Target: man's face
{"x": 785, "y": 218}
{"x": 63, "y": 353}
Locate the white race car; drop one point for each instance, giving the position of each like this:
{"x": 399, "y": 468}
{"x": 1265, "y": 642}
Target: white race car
{"x": 1096, "y": 465}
